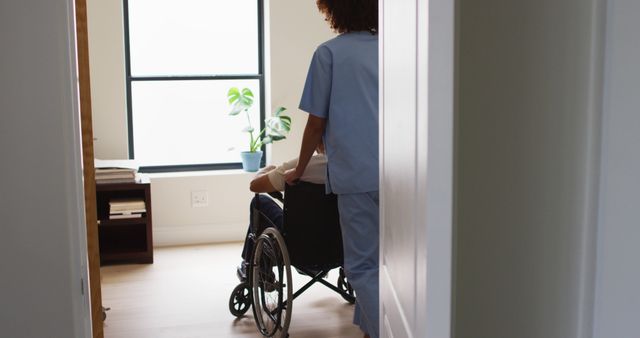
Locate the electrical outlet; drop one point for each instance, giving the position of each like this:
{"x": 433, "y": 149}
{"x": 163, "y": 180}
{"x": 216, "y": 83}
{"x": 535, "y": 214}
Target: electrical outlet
{"x": 199, "y": 198}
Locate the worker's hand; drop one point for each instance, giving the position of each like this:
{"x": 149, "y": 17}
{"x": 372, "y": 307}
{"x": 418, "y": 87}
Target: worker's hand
{"x": 292, "y": 176}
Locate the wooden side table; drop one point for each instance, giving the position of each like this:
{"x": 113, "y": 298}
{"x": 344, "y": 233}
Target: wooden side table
{"x": 127, "y": 240}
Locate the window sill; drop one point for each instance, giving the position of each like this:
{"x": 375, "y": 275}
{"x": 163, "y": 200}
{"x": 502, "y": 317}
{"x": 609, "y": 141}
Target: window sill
{"x": 200, "y": 173}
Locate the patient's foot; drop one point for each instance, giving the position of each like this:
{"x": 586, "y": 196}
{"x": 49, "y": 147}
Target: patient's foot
{"x": 241, "y": 271}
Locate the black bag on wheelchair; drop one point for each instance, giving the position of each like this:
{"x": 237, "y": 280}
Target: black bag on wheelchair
{"x": 312, "y": 227}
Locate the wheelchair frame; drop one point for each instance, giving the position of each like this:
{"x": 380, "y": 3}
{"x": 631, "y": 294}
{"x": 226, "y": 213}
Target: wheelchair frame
{"x": 262, "y": 285}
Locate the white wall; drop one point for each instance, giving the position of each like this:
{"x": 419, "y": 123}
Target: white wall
{"x": 42, "y": 243}
{"x": 296, "y": 28}
{"x": 617, "y": 294}
{"x": 108, "y": 90}
{"x": 526, "y": 168}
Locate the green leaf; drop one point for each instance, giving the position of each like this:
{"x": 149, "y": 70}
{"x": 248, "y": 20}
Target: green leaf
{"x": 233, "y": 95}
{"x": 279, "y": 110}
{"x": 279, "y": 124}
{"x": 286, "y": 123}
{"x": 246, "y": 101}
{"x": 239, "y": 100}
{"x": 247, "y": 92}
{"x": 275, "y": 137}
{"x": 267, "y": 140}
{"x": 272, "y": 123}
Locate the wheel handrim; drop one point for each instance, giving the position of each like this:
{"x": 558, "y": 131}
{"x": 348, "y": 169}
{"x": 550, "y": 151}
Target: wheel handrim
{"x": 272, "y": 290}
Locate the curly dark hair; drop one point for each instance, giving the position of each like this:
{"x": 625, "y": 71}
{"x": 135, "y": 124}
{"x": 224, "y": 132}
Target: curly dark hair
{"x": 350, "y": 15}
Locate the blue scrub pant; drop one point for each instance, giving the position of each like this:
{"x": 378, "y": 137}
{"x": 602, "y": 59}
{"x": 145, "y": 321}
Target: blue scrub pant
{"x": 359, "y": 220}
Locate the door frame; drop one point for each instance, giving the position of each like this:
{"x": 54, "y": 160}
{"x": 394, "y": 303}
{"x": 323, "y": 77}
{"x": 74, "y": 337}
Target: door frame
{"x": 433, "y": 203}
{"x": 86, "y": 125}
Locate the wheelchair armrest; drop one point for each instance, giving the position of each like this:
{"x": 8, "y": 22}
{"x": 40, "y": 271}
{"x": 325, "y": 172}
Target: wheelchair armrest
{"x": 277, "y": 195}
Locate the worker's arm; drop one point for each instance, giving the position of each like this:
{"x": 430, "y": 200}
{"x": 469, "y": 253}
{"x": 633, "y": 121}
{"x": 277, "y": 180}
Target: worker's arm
{"x": 312, "y": 136}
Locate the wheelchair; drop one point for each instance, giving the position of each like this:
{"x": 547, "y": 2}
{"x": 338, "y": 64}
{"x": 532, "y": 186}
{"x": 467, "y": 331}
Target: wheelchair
{"x": 311, "y": 242}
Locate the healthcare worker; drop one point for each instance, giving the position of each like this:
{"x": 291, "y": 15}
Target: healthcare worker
{"x": 341, "y": 97}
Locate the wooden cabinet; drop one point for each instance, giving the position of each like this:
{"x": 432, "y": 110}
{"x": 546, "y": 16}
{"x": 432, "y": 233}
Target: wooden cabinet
{"x": 126, "y": 240}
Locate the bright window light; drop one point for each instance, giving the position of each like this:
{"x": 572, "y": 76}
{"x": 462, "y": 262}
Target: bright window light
{"x": 193, "y": 37}
{"x": 188, "y": 122}
{"x": 182, "y": 58}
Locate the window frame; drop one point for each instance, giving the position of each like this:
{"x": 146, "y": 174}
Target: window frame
{"x": 260, "y": 76}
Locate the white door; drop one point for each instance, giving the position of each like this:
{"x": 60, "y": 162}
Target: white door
{"x": 416, "y": 142}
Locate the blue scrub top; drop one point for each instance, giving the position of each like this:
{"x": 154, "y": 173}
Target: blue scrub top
{"x": 342, "y": 87}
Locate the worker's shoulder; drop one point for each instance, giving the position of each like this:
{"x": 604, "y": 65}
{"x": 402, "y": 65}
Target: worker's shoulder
{"x": 346, "y": 44}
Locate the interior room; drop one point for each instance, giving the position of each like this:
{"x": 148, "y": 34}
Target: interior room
{"x": 200, "y": 217}
{"x": 225, "y": 218}
{"x": 508, "y": 185}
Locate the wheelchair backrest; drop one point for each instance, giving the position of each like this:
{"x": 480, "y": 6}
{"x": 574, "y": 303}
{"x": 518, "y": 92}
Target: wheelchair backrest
{"x": 312, "y": 226}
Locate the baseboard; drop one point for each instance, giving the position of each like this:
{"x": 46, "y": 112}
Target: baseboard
{"x": 198, "y": 234}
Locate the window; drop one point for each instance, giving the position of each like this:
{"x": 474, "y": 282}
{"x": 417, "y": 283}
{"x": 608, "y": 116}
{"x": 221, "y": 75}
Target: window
{"x": 182, "y": 56}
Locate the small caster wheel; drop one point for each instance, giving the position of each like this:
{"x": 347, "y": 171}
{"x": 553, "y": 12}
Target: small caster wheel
{"x": 343, "y": 284}
{"x": 240, "y": 300}
{"x": 104, "y": 313}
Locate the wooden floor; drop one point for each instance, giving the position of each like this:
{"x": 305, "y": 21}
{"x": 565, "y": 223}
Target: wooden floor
{"x": 185, "y": 294}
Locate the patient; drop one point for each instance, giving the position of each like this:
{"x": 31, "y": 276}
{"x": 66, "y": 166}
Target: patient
{"x": 271, "y": 179}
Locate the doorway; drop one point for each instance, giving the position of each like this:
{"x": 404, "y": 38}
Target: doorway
{"x": 292, "y": 51}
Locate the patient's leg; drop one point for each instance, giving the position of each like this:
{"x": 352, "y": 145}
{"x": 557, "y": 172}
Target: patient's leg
{"x": 271, "y": 215}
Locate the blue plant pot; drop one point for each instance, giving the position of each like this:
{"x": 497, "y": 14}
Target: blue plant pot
{"x": 251, "y": 160}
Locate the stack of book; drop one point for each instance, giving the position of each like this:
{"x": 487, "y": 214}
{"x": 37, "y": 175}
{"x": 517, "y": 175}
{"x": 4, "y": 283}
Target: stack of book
{"x": 126, "y": 208}
{"x": 116, "y": 171}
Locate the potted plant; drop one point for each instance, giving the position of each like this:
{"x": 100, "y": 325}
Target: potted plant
{"x": 275, "y": 128}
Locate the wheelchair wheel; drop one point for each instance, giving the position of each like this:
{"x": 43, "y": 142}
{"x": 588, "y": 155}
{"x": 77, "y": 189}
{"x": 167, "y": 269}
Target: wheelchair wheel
{"x": 271, "y": 282}
{"x": 345, "y": 287}
{"x": 240, "y": 300}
